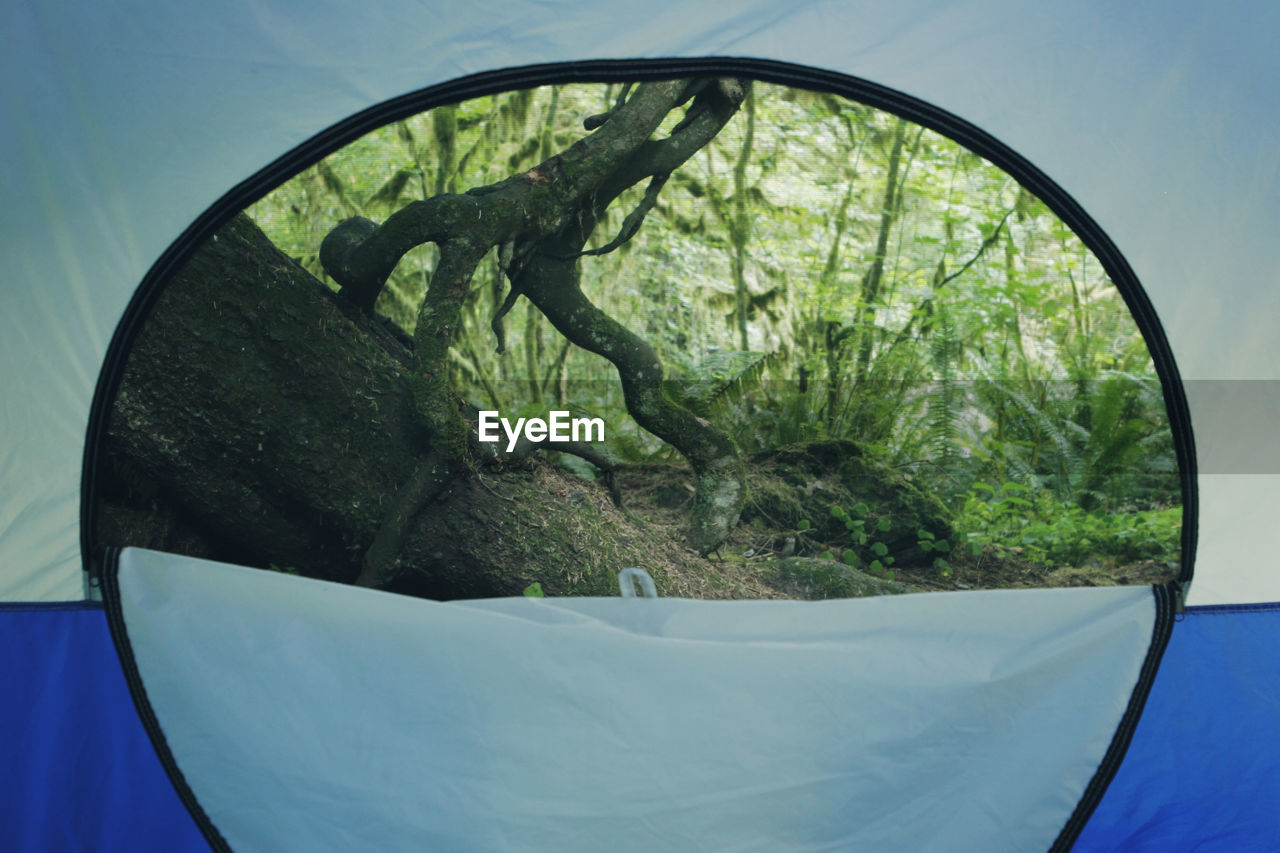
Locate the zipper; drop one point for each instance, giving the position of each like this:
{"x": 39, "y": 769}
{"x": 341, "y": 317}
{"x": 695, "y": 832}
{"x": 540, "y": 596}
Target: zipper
{"x": 1170, "y": 598}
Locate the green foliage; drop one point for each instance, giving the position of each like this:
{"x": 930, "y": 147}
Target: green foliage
{"x": 1046, "y": 530}
{"x": 824, "y": 578}
{"x": 929, "y": 542}
{"x": 534, "y": 590}
{"x": 720, "y": 380}
{"x": 821, "y": 271}
{"x": 866, "y": 549}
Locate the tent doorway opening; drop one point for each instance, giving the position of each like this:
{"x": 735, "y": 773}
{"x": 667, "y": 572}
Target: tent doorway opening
{"x": 831, "y": 353}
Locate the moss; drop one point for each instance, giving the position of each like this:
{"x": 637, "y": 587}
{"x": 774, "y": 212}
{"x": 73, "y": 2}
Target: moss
{"x": 820, "y": 579}
{"x": 498, "y": 532}
{"x": 803, "y": 483}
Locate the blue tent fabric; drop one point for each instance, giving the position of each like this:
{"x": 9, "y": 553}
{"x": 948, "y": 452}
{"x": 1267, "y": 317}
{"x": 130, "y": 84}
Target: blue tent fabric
{"x": 1203, "y": 771}
{"x": 77, "y": 771}
{"x": 608, "y": 723}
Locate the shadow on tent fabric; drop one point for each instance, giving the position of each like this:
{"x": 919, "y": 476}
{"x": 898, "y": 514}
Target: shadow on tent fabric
{"x": 1203, "y": 771}
{"x": 79, "y": 772}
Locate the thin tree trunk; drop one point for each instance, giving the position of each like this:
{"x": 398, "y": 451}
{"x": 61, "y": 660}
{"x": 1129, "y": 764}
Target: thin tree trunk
{"x": 875, "y": 274}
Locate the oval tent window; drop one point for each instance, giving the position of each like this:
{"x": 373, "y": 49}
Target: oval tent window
{"x": 761, "y": 342}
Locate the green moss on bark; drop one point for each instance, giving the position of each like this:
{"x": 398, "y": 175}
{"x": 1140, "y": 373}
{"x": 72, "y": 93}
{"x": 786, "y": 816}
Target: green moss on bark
{"x": 803, "y": 483}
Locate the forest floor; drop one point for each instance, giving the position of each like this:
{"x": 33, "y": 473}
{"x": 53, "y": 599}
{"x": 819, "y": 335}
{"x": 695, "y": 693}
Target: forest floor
{"x": 762, "y": 560}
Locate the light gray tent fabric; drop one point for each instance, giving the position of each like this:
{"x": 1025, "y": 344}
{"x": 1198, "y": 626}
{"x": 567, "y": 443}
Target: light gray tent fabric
{"x": 310, "y": 716}
{"x": 123, "y": 122}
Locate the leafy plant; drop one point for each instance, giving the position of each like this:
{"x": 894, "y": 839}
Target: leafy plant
{"x": 1054, "y": 532}
{"x": 857, "y": 522}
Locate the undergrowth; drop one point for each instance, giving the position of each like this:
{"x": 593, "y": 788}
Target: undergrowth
{"x": 1042, "y": 529}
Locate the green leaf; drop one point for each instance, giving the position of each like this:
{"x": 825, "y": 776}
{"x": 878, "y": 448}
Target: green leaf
{"x": 877, "y": 567}
{"x": 803, "y": 524}
{"x": 861, "y": 510}
{"x": 880, "y": 549}
{"x": 849, "y": 558}
{"x": 883, "y": 524}
{"x": 924, "y": 534}
{"x": 534, "y": 590}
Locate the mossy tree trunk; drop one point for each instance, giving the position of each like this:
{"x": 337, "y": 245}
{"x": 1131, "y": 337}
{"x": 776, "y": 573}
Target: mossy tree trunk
{"x": 541, "y": 220}
{"x": 263, "y": 420}
{"x": 291, "y": 427}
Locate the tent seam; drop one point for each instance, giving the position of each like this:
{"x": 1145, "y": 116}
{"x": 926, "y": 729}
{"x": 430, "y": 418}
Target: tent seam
{"x": 378, "y": 115}
{"x": 1162, "y": 630}
{"x": 146, "y": 714}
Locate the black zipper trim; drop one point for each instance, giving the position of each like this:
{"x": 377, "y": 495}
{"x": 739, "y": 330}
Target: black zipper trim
{"x": 1257, "y": 607}
{"x": 872, "y": 94}
{"x": 1166, "y": 603}
{"x": 1165, "y": 600}
{"x": 110, "y": 563}
{"x": 348, "y": 130}
{"x": 47, "y": 606}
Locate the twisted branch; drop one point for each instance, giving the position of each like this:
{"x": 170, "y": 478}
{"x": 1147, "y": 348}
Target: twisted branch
{"x": 549, "y": 211}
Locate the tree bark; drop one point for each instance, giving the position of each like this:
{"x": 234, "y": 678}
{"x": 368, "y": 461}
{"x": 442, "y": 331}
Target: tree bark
{"x": 278, "y": 424}
{"x": 262, "y": 420}
{"x": 541, "y": 220}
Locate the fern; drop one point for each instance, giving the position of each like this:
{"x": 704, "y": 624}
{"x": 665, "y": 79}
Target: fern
{"x": 722, "y": 379}
{"x": 1042, "y": 423}
{"x": 1120, "y": 442}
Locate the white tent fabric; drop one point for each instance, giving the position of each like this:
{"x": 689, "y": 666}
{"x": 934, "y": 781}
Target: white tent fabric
{"x": 310, "y": 716}
{"x": 123, "y": 122}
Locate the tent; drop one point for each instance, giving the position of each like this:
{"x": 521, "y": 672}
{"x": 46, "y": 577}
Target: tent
{"x": 237, "y": 709}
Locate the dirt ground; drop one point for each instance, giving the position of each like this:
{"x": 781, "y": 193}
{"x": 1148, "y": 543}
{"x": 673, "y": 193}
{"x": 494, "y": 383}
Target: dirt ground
{"x": 762, "y": 560}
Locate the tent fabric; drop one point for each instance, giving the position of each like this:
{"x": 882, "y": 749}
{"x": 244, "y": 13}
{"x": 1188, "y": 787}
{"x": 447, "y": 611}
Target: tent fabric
{"x": 374, "y": 721}
{"x": 1201, "y": 773}
{"x": 77, "y": 771}
{"x": 129, "y": 124}
{"x": 126, "y": 122}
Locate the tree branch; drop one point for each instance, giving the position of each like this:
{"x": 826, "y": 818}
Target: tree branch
{"x": 360, "y": 254}
{"x": 720, "y": 491}
{"x": 549, "y": 213}
{"x": 990, "y": 241}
